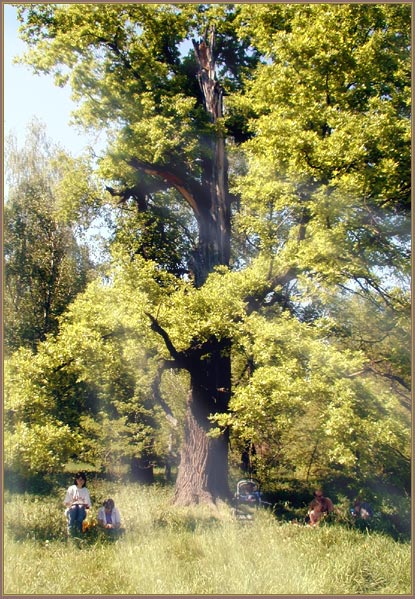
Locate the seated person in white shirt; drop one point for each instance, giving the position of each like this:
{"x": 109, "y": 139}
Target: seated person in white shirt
{"x": 109, "y": 516}
{"x": 77, "y": 501}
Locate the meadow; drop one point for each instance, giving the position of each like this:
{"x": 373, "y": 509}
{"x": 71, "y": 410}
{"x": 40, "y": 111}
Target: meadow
{"x": 170, "y": 550}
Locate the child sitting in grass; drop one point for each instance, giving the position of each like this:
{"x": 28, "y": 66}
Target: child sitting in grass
{"x": 109, "y": 517}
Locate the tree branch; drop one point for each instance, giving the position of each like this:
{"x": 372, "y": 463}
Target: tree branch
{"x": 157, "y": 395}
{"x": 191, "y": 191}
{"x": 392, "y": 377}
{"x": 177, "y": 356}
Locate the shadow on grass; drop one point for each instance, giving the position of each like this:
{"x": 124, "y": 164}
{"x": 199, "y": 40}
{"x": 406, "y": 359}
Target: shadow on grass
{"x": 50, "y": 532}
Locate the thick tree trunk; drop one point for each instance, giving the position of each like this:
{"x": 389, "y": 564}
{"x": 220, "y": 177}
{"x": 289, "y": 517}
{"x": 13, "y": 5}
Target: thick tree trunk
{"x": 142, "y": 470}
{"x": 203, "y": 469}
{"x": 215, "y": 218}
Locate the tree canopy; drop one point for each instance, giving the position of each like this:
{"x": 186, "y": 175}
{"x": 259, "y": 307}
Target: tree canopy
{"x": 46, "y": 265}
{"x": 258, "y": 169}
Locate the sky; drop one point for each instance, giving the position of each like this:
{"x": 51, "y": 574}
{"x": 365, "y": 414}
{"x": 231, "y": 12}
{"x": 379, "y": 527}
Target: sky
{"x": 26, "y": 95}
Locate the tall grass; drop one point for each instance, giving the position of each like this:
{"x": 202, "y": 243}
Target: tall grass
{"x": 167, "y": 550}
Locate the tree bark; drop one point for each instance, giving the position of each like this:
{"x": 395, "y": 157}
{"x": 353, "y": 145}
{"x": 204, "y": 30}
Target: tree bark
{"x": 142, "y": 470}
{"x": 203, "y": 470}
{"x": 215, "y": 222}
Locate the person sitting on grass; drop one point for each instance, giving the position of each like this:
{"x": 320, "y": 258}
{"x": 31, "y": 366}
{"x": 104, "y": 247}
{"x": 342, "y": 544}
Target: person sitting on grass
{"x": 77, "y": 502}
{"x": 362, "y": 509}
{"x": 319, "y": 507}
{"x": 109, "y": 517}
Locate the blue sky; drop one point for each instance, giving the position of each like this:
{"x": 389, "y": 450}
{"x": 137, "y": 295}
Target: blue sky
{"x": 27, "y": 95}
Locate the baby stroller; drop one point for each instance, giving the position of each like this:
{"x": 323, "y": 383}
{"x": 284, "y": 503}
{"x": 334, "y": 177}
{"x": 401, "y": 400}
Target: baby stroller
{"x": 247, "y": 498}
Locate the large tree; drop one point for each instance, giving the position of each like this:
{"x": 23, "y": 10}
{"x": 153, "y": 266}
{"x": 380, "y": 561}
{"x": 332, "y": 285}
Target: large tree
{"x": 314, "y": 136}
{"x": 46, "y": 265}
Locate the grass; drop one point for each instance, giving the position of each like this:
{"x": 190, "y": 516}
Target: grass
{"x": 167, "y": 550}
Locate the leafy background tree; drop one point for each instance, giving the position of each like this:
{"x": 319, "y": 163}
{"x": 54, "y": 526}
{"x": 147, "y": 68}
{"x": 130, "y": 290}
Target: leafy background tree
{"x": 46, "y": 265}
{"x": 259, "y": 175}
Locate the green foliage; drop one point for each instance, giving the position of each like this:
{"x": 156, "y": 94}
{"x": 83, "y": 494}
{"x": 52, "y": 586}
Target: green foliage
{"x": 94, "y": 383}
{"x": 39, "y": 448}
{"x": 161, "y": 233}
{"x": 45, "y": 266}
{"x": 41, "y": 404}
{"x": 78, "y": 194}
{"x": 331, "y": 136}
{"x": 315, "y": 301}
{"x": 305, "y": 410}
{"x": 136, "y": 44}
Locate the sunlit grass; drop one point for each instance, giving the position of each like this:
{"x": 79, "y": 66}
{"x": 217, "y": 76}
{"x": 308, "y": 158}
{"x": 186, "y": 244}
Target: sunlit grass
{"x": 170, "y": 551}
